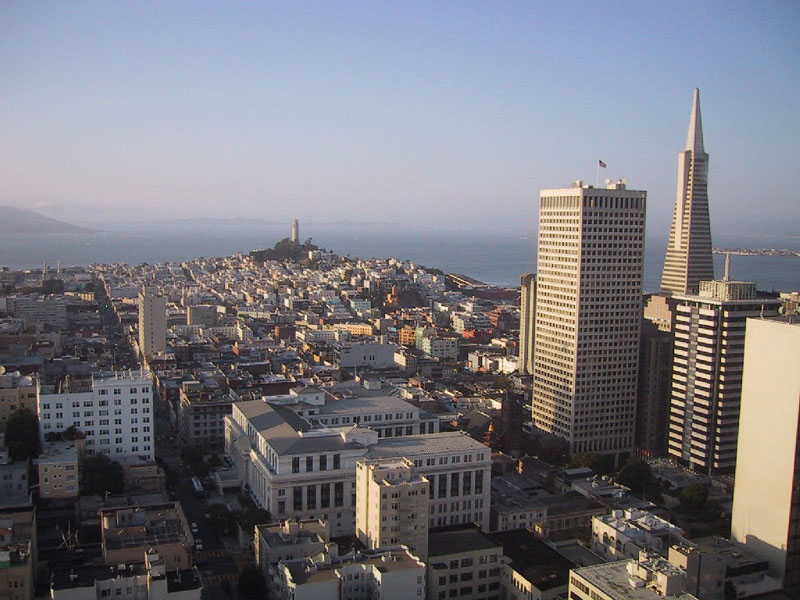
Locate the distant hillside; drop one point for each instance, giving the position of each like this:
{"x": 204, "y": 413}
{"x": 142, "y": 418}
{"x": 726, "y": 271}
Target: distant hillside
{"x": 17, "y": 220}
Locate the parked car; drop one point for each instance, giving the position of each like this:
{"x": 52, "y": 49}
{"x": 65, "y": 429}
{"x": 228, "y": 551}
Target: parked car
{"x": 194, "y": 528}
{"x": 198, "y": 544}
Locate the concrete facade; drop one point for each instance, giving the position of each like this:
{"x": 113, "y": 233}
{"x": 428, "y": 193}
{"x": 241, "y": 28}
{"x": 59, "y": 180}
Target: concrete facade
{"x": 765, "y": 503}
{"x": 588, "y": 311}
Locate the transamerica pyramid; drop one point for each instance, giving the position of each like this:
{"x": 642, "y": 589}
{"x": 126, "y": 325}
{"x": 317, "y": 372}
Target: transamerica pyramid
{"x": 689, "y": 258}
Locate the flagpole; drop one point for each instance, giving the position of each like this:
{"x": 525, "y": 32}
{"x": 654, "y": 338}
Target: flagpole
{"x": 597, "y": 175}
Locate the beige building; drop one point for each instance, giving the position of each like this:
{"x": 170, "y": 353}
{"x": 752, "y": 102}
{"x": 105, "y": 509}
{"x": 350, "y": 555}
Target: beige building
{"x": 202, "y": 415}
{"x": 588, "y": 311}
{"x": 152, "y": 322}
{"x": 707, "y": 372}
{"x": 527, "y": 319}
{"x": 16, "y": 391}
{"x": 128, "y": 532}
{"x": 766, "y": 506}
{"x": 58, "y": 470}
{"x": 392, "y": 505}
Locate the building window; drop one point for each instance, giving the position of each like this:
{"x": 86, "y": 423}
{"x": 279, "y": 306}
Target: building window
{"x": 325, "y": 495}
{"x": 337, "y": 461}
{"x": 298, "y": 498}
{"x": 309, "y": 464}
{"x": 295, "y": 464}
{"x": 338, "y": 494}
{"x": 323, "y": 462}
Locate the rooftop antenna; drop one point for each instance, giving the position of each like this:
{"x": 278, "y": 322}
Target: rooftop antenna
{"x": 727, "y": 267}
{"x": 68, "y": 539}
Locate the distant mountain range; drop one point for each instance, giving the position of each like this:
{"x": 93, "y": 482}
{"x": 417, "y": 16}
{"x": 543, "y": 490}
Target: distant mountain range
{"x": 17, "y": 220}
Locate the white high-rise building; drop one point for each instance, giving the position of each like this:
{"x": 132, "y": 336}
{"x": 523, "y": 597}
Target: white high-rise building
{"x": 588, "y": 311}
{"x": 113, "y": 410}
{"x": 707, "y": 371}
{"x": 766, "y": 503}
{"x": 152, "y": 322}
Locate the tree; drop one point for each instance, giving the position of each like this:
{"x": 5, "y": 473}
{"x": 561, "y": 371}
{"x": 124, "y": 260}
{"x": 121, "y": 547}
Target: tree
{"x": 693, "y": 498}
{"x": 253, "y": 516}
{"x": 601, "y": 464}
{"x": 252, "y": 584}
{"x": 100, "y": 475}
{"x": 22, "y": 435}
{"x": 220, "y": 518}
{"x": 636, "y": 475}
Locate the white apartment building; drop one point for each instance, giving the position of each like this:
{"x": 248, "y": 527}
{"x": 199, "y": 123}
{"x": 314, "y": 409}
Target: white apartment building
{"x": 391, "y": 505}
{"x": 588, "y": 311}
{"x": 707, "y": 372}
{"x": 152, "y": 322}
{"x": 114, "y": 411}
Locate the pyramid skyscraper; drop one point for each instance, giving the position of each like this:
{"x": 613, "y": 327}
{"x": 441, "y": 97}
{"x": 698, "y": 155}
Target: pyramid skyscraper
{"x": 689, "y": 258}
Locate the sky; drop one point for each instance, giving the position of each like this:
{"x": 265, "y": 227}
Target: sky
{"x": 447, "y": 114}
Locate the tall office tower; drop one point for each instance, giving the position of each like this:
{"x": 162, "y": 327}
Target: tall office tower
{"x": 655, "y": 373}
{"x": 588, "y": 312}
{"x": 766, "y": 502}
{"x": 392, "y": 505}
{"x": 689, "y": 258}
{"x": 707, "y": 371}
{"x": 296, "y": 231}
{"x": 527, "y": 306}
{"x": 152, "y": 322}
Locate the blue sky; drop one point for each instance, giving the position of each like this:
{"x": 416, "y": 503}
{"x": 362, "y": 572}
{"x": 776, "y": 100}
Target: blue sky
{"x": 452, "y": 113}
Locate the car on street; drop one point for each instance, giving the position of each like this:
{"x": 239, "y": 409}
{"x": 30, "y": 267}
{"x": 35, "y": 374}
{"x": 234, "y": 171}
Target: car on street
{"x": 198, "y": 544}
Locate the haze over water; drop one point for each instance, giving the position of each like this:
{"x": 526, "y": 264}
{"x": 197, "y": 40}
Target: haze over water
{"x": 492, "y": 257}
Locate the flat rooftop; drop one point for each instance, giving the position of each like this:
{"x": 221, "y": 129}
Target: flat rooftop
{"x": 612, "y": 579}
{"x": 455, "y": 540}
{"x": 534, "y": 559}
{"x": 431, "y": 443}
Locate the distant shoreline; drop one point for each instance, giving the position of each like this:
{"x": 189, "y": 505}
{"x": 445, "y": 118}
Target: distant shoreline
{"x": 758, "y": 252}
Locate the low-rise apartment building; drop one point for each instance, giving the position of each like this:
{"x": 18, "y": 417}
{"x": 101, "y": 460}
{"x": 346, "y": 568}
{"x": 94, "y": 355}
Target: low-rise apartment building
{"x": 58, "y": 470}
{"x": 16, "y": 391}
{"x": 128, "y": 532}
{"x": 464, "y": 563}
{"x": 391, "y": 575}
{"x": 148, "y": 580}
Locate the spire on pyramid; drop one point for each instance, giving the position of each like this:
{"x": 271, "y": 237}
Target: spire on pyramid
{"x": 694, "y": 139}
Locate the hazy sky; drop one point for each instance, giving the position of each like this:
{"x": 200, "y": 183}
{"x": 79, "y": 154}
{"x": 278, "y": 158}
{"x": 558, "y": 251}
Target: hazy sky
{"x": 409, "y": 112}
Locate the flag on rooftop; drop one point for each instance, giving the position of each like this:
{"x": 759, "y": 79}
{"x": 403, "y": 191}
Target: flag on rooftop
{"x": 602, "y": 164}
